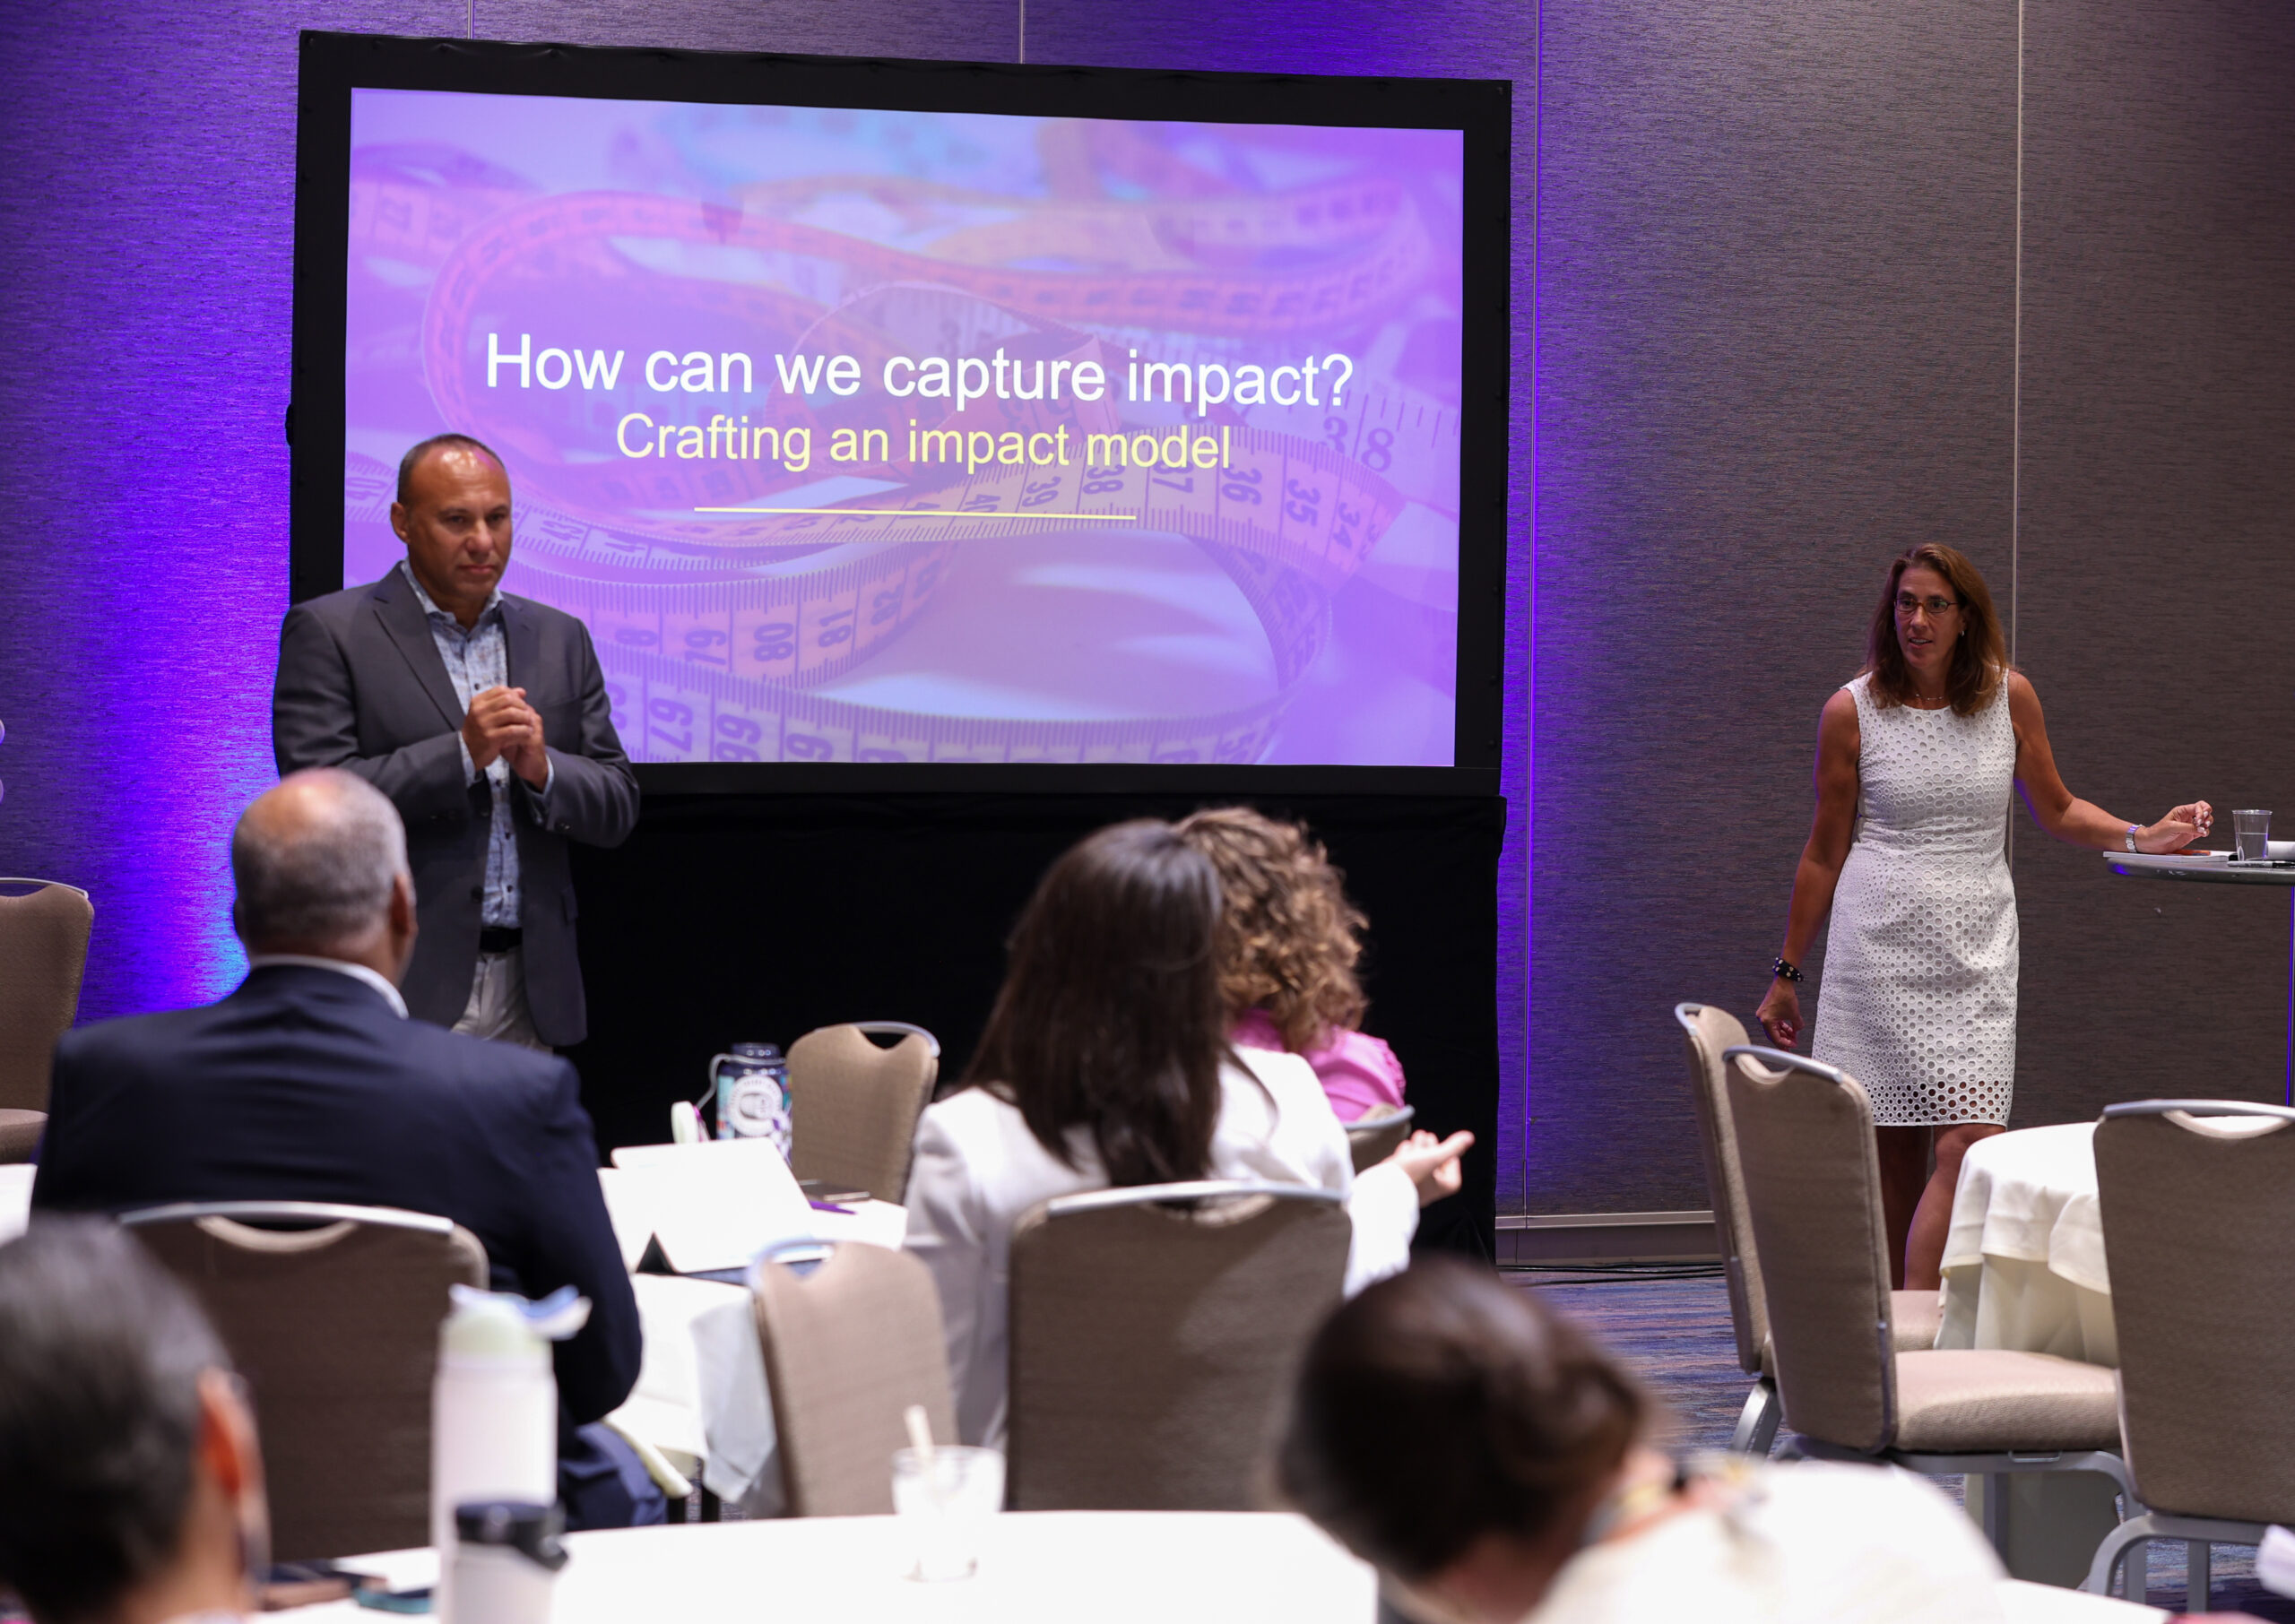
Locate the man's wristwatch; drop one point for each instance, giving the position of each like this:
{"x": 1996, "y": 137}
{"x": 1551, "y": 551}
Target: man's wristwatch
{"x": 2131, "y": 836}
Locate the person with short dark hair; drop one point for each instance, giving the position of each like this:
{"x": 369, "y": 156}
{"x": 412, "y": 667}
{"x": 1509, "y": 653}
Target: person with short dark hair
{"x": 130, "y": 1486}
{"x": 1105, "y": 1063}
{"x": 484, "y": 717}
{"x": 309, "y": 1082}
{"x": 1494, "y": 1464}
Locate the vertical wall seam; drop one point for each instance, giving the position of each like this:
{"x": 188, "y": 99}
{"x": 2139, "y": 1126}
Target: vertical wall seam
{"x": 2016, "y": 371}
{"x": 2016, "y": 400}
{"x": 1530, "y": 593}
{"x": 1024, "y": 31}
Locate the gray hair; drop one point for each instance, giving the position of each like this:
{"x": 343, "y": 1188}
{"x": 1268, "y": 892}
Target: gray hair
{"x": 322, "y": 877}
{"x": 100, "y": 1357}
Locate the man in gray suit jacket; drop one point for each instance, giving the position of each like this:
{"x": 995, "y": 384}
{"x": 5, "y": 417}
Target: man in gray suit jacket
{"x": 409, "y": 684}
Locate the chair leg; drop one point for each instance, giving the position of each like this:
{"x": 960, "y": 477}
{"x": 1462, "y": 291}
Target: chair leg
{"x": 1757, "y": 1421}
{"x": 2200, "y": 1577}
{"x": 2135, "y": 1531}
{"x": 1995, "y": 1488}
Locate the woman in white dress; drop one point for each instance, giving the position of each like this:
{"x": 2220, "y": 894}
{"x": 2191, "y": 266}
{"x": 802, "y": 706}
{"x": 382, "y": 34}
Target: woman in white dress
{"x": 1105, "y": 1062}
{"x": 1916, "y": 758}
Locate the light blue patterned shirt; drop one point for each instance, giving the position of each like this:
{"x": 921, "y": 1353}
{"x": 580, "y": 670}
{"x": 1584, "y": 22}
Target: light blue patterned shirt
{"x": 478, "y": 660}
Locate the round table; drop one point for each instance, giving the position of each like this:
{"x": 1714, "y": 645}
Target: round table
{"x": 2024, "y": 1258}
{"x": 2217, "y": 868}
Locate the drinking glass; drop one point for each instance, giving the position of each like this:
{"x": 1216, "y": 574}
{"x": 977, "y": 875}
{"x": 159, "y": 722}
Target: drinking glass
{"x": 944, "y": 1510}
{"x": 2251, "y": 830}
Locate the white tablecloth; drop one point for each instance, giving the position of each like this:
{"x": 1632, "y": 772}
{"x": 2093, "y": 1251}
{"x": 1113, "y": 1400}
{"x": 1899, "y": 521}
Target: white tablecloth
{"x": 2024, "y": 1259}
{"x": 1036, "y": 1568}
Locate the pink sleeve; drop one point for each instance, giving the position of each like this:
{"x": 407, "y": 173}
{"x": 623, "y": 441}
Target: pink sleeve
{"x": 1357, "y": 1071}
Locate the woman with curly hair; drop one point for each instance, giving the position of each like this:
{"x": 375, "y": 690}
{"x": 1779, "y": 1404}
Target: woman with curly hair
{"x": 1287, "y": 944}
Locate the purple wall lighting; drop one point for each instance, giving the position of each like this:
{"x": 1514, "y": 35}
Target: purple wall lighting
{"x": 145, "y": 297}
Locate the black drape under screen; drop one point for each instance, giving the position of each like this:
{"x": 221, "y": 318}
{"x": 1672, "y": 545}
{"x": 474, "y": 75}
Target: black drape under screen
{"x": 730, "y": 918}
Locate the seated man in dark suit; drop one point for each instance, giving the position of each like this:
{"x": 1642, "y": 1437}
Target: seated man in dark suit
{"x": 309, "y": 1084}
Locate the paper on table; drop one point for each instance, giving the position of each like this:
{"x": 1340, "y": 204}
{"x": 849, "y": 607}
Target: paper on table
{"x": 713, "y": 1205}
{"x": 16, "y": 1198}
{"x": 2276, "y": 1562}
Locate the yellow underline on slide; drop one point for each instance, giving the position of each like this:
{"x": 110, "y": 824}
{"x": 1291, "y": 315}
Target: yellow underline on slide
{"x": 928, "y": 513}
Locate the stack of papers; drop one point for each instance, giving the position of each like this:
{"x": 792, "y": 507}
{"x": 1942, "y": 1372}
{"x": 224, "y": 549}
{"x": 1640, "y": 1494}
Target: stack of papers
{"x": 703, "y": 1208}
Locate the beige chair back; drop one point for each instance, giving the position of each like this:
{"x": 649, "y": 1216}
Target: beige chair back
{"x": 1377, "y": 1134}
{"x": 2199, "y": 1214}
{"x": 853, "y": 1106}
{"x": 1155, "y": 1334}
{"x": 335, "y": 1329}
{"x": 43, "y": 953}
{"x": 847, "y": 1349}
{"x": 1707, "y": 1033}
{"x": 1812, "y": 1184}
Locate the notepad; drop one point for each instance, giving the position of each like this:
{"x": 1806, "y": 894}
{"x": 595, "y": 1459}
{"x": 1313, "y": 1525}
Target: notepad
{"x": 703, "y": 1208}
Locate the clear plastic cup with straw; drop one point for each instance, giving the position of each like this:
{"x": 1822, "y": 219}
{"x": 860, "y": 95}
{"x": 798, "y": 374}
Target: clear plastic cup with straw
{"x": 944, "y": 1495}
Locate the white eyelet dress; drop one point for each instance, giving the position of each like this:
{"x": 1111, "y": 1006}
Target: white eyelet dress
{"x": 1918, "y": 999}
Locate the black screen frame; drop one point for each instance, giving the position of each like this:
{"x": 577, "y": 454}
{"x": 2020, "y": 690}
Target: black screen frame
{"x": 334, "y": 64}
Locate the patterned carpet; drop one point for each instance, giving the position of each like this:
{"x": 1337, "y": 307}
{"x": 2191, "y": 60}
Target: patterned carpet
{"x": 1675, "y": 1335}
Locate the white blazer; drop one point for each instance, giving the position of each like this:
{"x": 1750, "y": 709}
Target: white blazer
{"x": 978, "y": 1167}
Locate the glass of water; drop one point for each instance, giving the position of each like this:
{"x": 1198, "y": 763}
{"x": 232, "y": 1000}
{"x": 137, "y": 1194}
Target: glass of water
{"x": 2251, "y": 832}
{"x": 944, "y": 1502}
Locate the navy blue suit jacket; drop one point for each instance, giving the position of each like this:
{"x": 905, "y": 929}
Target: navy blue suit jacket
{"x": 305, "y": 1085}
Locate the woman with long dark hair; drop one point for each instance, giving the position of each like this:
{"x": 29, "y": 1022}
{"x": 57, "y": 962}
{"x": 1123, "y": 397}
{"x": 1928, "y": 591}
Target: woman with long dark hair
{"x": 1105, "y": 1063}
{"x": 1916, "y": 758}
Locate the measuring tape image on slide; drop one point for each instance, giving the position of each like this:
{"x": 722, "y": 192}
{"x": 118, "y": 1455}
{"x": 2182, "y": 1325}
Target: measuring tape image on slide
{"x": 888, "y": 436}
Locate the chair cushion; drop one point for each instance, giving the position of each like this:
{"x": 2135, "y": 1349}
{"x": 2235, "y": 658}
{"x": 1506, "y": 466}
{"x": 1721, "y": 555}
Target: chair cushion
{"x": 19, "y": 1132}
{"x": 1916, "y": 1314}
{"x": 1987, "y": 1400}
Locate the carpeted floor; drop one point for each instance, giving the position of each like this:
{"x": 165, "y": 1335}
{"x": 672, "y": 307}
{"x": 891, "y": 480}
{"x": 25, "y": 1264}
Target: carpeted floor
{"x": 1675, "y": 1335}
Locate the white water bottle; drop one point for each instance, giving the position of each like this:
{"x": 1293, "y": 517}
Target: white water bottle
{"x": 494, "y": 1408}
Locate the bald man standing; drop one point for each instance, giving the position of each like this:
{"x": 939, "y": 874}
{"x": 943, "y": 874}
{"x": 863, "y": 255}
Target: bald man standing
{"x": 484, "y": 718}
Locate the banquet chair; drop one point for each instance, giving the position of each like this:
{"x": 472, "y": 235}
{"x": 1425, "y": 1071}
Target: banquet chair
{"x": 848, "y": 1348}
{"x": 1812, "y": 1181}
{"x": 2197, "y": 1209}
{"x": 853, "y": 1106}
{"x": 1154, "y": 1333}
{"x": 1378, "y": 1133}
{"x": 43, "y": 951}
{"x": 1708, "y": 1032}
{"x": 333, "y": 1323}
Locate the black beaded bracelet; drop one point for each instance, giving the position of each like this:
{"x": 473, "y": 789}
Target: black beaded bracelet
{"x": 1784, "y": 972}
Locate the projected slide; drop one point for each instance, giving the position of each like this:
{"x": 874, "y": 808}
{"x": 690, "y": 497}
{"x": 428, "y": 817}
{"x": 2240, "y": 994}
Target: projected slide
{"x": 886, "y": 436}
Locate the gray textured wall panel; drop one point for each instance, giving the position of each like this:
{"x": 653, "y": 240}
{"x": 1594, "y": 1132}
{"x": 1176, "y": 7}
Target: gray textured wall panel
{"x": 2159, "y": 483}
{"x": 1776, "y": 285}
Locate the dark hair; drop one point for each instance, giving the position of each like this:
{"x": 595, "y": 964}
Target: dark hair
{"x": 1979, "y": 653}
{"x": 101, "y": 1356}
{"x": 1288, "y": 937}
{"x": 420, "y": 449}
{"x": 1109, "y": 1018}
{"x": 1442, "y": 1404}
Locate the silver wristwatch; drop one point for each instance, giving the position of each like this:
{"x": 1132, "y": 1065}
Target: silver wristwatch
{"x": 2131, "y": 836}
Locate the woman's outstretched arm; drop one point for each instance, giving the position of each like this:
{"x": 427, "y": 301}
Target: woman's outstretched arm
{"x": 2065, "y": 815}
{"x": 1827, "y": 848}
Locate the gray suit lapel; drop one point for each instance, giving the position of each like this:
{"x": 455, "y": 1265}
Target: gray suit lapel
{"x": 401, "y": 613}
{"x": 521, "y": 644}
